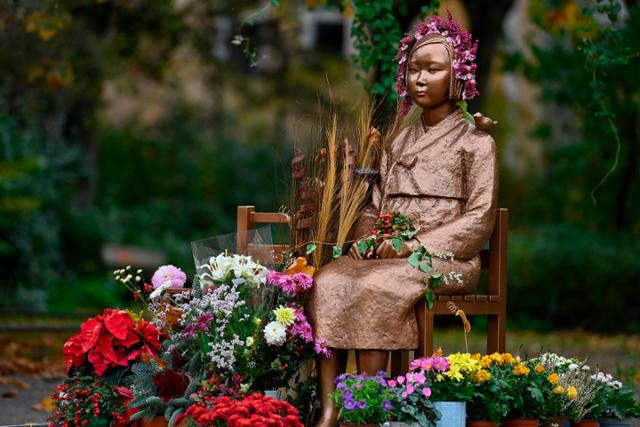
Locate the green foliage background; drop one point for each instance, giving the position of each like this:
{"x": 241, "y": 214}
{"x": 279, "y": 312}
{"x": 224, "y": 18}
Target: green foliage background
{"x": 71, "y": 180}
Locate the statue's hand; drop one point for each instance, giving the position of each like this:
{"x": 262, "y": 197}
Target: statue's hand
{"x": 386, "y": 250}
{"x": 355, "y": 254}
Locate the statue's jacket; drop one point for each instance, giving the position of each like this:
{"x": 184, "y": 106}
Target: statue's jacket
{"x": 445, "y": 179}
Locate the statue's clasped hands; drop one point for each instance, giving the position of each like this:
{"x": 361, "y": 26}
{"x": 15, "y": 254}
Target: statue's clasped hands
{"x": 385, "y": 250}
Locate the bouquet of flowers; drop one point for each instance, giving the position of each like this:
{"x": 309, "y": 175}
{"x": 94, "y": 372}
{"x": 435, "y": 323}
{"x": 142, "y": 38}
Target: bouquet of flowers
{"x": 363, "y": 399}
{"x": 614, "y": 399}
{"x": 392, "y": 226}
{"x": 456, "y": 383}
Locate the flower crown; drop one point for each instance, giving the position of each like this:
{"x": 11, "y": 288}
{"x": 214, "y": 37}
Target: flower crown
{"x": 464, "y": 52}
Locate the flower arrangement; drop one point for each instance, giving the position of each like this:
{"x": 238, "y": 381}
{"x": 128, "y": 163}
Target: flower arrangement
{"x": 84, "y": 400}
{"x": 252, "y": 410}
{"x": 463, "y": 63}
{"x": 362, "y": 398}
{"x": 392, "y": 226}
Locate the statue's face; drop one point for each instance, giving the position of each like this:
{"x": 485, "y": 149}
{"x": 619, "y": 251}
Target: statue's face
{"x": 428, "y": 75}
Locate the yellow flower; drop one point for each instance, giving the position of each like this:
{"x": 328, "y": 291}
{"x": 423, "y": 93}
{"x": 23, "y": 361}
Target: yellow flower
{"x": 482, "y": 375}
{"x": 558, "y": 389}
{"x": 485, "y": 361}
{"x": 475, "y": 356}
{"x": 508, "y": 358}
{"x": 454, "y": 373}
{"x": 498, "y": 358}
{"x": 285, "y": 315}
{"x": 553, "y": 378}
{"x": 520, "y": 369}
{"x": 572, "y": 392}
{"x": 539, "y": 369}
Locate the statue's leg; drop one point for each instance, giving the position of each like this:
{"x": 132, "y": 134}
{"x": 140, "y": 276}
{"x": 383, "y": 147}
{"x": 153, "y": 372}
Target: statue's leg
{"x": 372, "y": 361}
{"x": 328, "y": 370}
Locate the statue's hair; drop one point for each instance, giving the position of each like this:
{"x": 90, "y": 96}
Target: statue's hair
{"x": 463, "y": 49}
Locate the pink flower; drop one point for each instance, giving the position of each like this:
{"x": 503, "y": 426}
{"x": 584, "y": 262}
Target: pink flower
{"x": 321, "y": 349}
{"x": 392, "y": 383}
{"x": 427, "y": 392}
{"x": 400, "y": 380}
{"x": 282, "y": 281}
{"x": 410, "y": 388}
{"x": 419, "y": 378}
{"x": 304, "y": 281}
{"x": 303, "y": 330}
{"x": 169, "y": 273}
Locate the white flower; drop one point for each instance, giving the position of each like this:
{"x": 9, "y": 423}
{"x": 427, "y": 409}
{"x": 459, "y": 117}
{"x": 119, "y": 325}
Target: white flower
{"x": 586, "y": 368}
{"x": 275, "y": 333}
{"x": 249, "y": 342}
{"x": 573, "y": 366}
{"x": 160, "y": 289}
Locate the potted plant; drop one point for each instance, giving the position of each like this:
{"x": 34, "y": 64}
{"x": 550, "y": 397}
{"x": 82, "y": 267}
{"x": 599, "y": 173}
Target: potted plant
{"x": 489, "y": 404}
{"x": 454, "y": 387}
{"x": 363, "y": 400}
{"x": 527, "y": 387}
{"x": 412, "y": 405}
{"x": 616, "y": 402}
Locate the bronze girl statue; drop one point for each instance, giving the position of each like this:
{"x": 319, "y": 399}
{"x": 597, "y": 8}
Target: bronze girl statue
{"x": 441, "y": 172}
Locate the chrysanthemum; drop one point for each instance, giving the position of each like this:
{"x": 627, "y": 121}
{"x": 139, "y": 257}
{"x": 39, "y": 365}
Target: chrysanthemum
{"x": 275, "y": 333}
{"x": 321, "y": 349}
{"x": 170, "y": 274}
{"x": 285, "y": 315}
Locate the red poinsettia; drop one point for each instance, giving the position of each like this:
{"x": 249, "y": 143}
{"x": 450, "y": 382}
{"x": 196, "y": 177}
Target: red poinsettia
{"x": 255, "y": 410}
{"x": 109, "y": 340}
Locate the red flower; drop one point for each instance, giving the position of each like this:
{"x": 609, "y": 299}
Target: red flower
{"x": 110, "y": 340}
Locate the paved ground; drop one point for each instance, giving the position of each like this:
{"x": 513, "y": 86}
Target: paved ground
{"x": 19, "y": 405}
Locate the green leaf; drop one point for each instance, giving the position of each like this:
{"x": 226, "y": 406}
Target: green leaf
{"x": 425, "y": 267}
{"x": 311, "y": 248}
{"x": 363, "y": 245}
{"x": 430, "y": 296}
{"x": 414, "y": 259}
{"x": 397, "y": 243}
{"x": 337, "y": 251}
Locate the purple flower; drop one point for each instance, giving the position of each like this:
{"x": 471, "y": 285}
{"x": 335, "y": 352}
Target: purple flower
{"x": 386, "y": 405}
{"x": 302, "y": 330}
{"x": 204, "y": 321}
{"x": 304, "y": 281}
{"x": 362, "y": 404}
{"x": 282, "y": 281}
{"x": 349, "y": 404}
{"x": 189, "y": 330}
{"x": 321, "y": 349}
{"x": 168, "y": 273}
{"x": 347, "y": 393}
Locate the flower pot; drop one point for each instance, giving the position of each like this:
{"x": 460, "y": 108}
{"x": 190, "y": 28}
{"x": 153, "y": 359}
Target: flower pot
{"x": 556, "y": 422}
{"x": 614, "y": 422}
{"x": 398, "y": 424}
{"x": 358, "y": 425}
{"x": 585, "y": 423}
{"x": 521, "y": 422}
{"x": 273, "y": 393}
{"x": 454, "y": 414}
{"x": 157, "y": 421}
{"x": 481, "y": 423}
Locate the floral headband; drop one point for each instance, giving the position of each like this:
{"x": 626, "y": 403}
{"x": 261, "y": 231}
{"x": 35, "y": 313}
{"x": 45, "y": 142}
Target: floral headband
{"x": 462, "y": 63}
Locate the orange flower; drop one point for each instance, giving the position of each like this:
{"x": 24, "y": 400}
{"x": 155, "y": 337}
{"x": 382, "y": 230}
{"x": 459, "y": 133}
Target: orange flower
{"x": 539, "y": 369}
{"x": 553, "y": 378}
{"x": 300, "y": 266}
{"x": 558, "y": 390}
{"x": 520, "y": 369}
{"x": 508, "y": 358}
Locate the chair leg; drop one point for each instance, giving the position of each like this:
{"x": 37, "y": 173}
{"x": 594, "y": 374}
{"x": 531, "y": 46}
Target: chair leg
{"x": 496, "y": 334}
{"x": 425, "y": 330}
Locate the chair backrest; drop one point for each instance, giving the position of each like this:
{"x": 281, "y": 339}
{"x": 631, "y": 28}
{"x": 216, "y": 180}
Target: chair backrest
{"x": 494, "y": 259}
{"x": 247, "y": 220}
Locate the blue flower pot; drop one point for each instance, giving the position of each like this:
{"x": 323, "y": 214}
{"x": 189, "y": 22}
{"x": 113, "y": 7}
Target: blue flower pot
{"x": 614, "y": 422}
{"x": 454, "y": 414}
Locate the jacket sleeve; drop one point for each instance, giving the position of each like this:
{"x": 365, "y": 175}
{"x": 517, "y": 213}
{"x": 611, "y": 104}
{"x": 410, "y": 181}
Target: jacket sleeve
{"x": 466, "y": 235}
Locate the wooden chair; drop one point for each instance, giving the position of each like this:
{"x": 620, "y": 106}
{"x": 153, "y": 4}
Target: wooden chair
{"x": 493, "y": 304}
